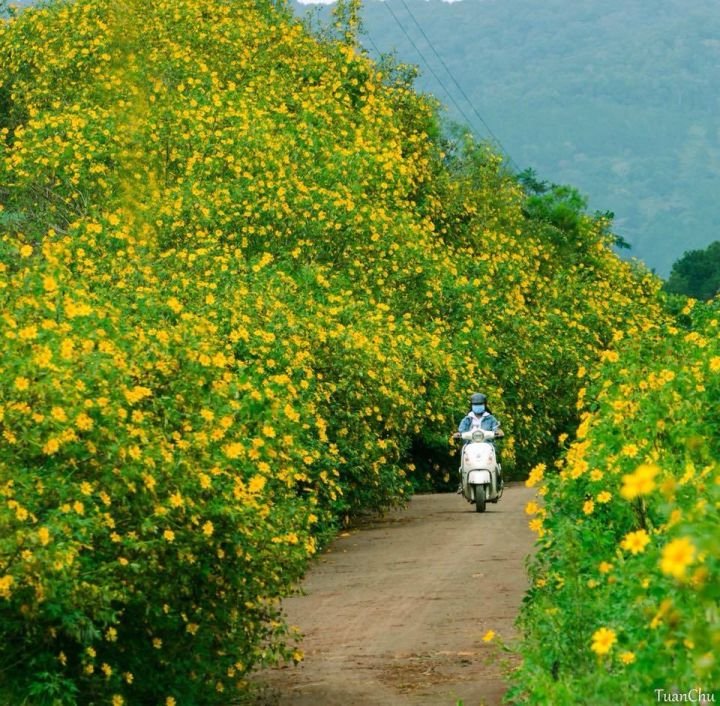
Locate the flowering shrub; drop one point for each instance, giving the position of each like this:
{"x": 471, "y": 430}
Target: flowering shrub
{"x": 625, "y": 582}
{"x": 241, "y": 285}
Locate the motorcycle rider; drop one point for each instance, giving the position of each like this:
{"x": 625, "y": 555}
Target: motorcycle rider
{"x": 480, "y": 417}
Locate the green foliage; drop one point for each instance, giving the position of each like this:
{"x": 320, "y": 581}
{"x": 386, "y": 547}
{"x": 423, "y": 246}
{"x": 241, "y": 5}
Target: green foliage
{"x": 561, "y": 208}
{"x": 697, "y": 273}
{"x": 559, "y": 95}
{"x": 243, "y": 284}
{"x": 625, "y": 581}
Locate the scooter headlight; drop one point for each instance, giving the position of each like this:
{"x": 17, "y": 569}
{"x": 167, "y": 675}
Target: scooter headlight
{"x": 478, "y": 436}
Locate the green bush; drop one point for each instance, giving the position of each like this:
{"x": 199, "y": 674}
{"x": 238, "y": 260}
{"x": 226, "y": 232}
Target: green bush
{"x": 625, "y": 582}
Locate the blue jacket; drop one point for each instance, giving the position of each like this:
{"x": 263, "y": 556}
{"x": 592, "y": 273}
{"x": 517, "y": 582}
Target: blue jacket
{"x": 487, "y": 422}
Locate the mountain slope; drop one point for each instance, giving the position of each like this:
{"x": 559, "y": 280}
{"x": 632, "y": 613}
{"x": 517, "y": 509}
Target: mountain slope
{"x": 616, "y": 98}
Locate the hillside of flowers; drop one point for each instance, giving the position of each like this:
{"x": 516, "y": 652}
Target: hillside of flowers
{"x": 626, "y": 582}
{"x": 245, "y": 290}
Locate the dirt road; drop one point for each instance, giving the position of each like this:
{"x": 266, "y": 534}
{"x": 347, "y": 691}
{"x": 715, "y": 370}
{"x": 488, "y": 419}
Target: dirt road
{"x": 395, "y": 612}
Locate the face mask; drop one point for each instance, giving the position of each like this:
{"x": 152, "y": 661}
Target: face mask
{"x": 478, "y": 408}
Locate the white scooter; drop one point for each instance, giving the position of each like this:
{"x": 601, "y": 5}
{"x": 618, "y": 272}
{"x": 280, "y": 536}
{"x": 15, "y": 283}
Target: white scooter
{"x": 479, "y": 469}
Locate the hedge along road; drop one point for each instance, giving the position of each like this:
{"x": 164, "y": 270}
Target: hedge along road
{"x": 395, "y": 611}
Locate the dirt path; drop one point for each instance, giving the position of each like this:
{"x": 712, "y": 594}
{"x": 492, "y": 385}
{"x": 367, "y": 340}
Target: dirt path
{"x": 394, "y": 613}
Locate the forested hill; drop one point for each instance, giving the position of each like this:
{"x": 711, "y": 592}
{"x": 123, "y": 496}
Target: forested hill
{"x": 618, "y": 98}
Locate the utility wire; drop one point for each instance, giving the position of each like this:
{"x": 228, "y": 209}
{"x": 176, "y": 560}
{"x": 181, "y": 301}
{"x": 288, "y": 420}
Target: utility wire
{"x": 377, "y": 51}
{"x": 452, "y": 77}
{"x": 422, "y": 57}
{"x": 458, "y": 86}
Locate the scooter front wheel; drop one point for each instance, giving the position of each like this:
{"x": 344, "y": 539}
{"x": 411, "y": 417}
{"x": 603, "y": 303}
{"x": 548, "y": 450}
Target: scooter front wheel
{"x": 480, "y": 498}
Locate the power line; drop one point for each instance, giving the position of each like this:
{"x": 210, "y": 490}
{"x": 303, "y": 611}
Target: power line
{"x": 452, "y": 77}
{"x": 459, "y": 87}
{"x": 430, "y": 68}
{"x": 377, "y": 51}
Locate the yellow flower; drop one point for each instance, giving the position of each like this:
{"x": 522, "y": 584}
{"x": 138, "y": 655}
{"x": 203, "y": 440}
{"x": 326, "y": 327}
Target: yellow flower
{"x": 67, "y": 349}
{"x": 603, "y": 641}
{"x": 588, "y": 507}
{"x": 29, "y": 333}
{"x": 5, "y": 583}
{"x": 58, "y": 413}
{"x": 137, "y": 393}
{"x": 536, "y": 475}
{"x": 117, "y": 700}
{"x": 169, "y": 535}
{"x": 233, "y": 450}
{"x": 488, "y": 636}
{"x": 208, "y": 529}
{"x": 83, "y": 422}
{"x": 604, "y": 497}
{"x": 43, "y": 357}
{"x": 635, "y": 542}
{"x": 44, "y": 536}
{"x": 51, "y": 447}
{"x": 641, "y": 482}
{"x": 536, "y": 526}
{"x": 629, "y": 450}
{"x": 175, "y": 305}
{"x": 531, "y": 508}
{"x": 627, "y": 657}
{"x": 26, "y": 251}
{"x": 664, "y": 609}
{"x": 22, "y": 383}
{"x": 257, "y": 483}
{"x": 677, "y": 556}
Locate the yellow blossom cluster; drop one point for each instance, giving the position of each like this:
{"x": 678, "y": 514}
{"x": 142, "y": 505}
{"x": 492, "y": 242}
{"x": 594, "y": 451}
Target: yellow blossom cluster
{"x": 643, "y": 565}
{"x": 242, "y": 288}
